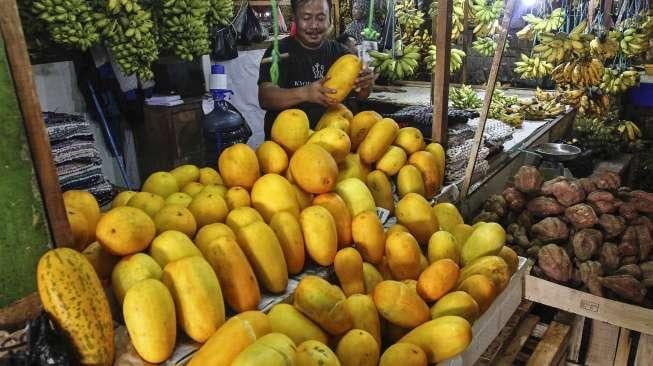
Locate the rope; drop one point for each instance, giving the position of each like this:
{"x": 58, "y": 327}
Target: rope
{"x": 274, "y": 68}
{"x": 371, "y": 17}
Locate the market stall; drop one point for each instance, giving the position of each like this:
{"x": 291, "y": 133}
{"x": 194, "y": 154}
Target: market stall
{"x": 407, "y": 228}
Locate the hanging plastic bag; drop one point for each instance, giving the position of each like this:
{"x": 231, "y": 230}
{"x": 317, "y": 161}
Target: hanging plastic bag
{"x": 224, "y": 43}
{"x": 252, "y": 31}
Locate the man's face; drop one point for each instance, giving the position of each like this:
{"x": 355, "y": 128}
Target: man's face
{"x": 312, "y": 22}
{"x": 356, "y": 11}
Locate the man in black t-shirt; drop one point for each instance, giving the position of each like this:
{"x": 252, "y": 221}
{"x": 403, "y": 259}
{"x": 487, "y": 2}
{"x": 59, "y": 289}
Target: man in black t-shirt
{"x": 301, "y": 76}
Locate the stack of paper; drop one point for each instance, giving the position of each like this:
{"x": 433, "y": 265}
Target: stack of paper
{"x": 164, "y": 100}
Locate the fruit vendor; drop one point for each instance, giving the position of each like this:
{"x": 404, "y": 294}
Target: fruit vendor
{"x": 301, "y": 75}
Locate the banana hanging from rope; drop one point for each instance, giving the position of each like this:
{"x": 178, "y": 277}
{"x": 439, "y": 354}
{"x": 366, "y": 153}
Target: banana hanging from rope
{"x": 70, "y": 23}
{"x": 457, "y": 16}
{"x": 590, "y": 101}
{"x": 400, "y": 67}
{"x": 485, "y": 16}
{"x": 605, "y": 45}
{"x": 408, "y": 16}
{"x": 220, "y": 12}
{"x": 533, "y": 68}
{"x": 629, "y": 131}
{"x": 615, "y": 81}
{"x": 582, "y": 73}
{"x": 537, "y": 25}
{"x": 455, "y": 59}
{"x": 184, "y": 29}
{"x": 485, "y": 46}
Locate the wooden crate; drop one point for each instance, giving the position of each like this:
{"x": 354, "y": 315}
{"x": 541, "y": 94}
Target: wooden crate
{"x": 578, "y": 302}
{"x": 490, "y": 324}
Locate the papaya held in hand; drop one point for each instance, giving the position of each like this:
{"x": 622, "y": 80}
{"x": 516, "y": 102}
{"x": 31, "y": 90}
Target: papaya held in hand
{"x": 342, "y": 76}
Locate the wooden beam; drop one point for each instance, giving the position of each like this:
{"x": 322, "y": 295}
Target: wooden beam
{"x": 39, "y": 142}
{"x": 522, "y": 334}
{"x": 336, "y": 16}
{"x": 623, "y": 348}
{"x": 442, "y": 36}
{"x": 552, "y": 346}
{"x": 489, "y": 91}
{"x": 603, "y": 344}
{"x": 644, "y": 350}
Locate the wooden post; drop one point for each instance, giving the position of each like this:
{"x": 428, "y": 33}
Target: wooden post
{"x": 336, "y": 15}
{"x": 38, "y": 139}
{"x": 489, "y": 91}
{"x": 440, "y": 77}
{"x": 591, "y": 11}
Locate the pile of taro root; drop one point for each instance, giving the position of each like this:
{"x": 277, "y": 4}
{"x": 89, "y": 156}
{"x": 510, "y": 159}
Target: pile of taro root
{"x": 589, "y": 233}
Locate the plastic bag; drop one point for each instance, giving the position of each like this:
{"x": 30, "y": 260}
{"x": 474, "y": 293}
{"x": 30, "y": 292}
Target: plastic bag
{"x": 252, "y": 31}
{"x": 223, "y": 43}
{"x": 46, "y": 345}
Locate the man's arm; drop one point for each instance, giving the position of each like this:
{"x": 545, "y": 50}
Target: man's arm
{"x": 274, "y": 98}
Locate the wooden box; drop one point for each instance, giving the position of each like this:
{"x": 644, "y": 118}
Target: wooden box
{"x": 582, "y": 303}
{"x": 169, "y": 137}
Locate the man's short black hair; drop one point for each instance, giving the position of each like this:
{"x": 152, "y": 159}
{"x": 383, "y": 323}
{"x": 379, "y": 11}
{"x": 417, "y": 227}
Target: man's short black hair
{"x": 294, "y": 4}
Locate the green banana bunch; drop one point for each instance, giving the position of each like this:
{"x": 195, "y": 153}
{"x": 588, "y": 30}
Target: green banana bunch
{"x": 485, "y": 46}
{"x": 506, "y": 109}
{"x": 536, "y": 110}
{"x": 634, "y": 41}
{"x": 548, "y": 24}
{"x": 615, "y": 81}
{"x": 127, "y": 29}
{"x": 408, "y": 16}
{"x": 221, "y": 12}
{"x": 403, "y": 65}
{"x": 69, "y": 22}
{"x": 370, "y": 34}
{"x": 184, "y": 28}
{"x": 457, "y": 16}
{"x": 464, "y": 97}
{"x": 455, "y": 59}
{"x": 486, "y": 16}
{"x": 533, "y": 68}
{"x": 629, "y": 131}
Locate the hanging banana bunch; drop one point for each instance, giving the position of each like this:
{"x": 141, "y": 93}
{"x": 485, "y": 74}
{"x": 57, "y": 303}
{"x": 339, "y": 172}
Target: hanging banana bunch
{"x": 408, "y": 16}
{"x": 401, "y": 66}
{"x": 70, "y": 22}
{"x": 486, "y": 16}
{"x": 485, "y": 46}
{"x": 537, "y": 25}
{"x": 605, "y": 45}
{"x": 127, "y": 29}
{"x": 455, "y": 59}
{"x": 629, "y": 131}
{"x": 634, "y": 41}
{"x": 457, "y": 16}
{"x": 582, "y": 73}
{"x": 184, "y": 27}
{"x": 220, "y": 12}
{"x": 556, "y": 48}
{"x": 589, "y": 101}
{"x": 421, "y": 39}
{"x": 464, "y": 97}
{"x": 533, "y": 67}
{"x": 615, "y": 81}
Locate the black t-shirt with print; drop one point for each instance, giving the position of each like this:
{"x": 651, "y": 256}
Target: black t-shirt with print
{"x": 303, "y": 67}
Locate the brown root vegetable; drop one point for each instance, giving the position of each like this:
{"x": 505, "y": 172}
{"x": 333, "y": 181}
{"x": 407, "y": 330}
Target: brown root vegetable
{"x": 555, "y": 263}
{"x": 643, "y": 201}
{"x": 628, "y": 211}
{"x": 497, "y": 204}
{"x": 633, "y": 259}
{"x": 543, "y": 206}
{"x": 486, "y": 216}
{"x": 612, "y": 225}
{"x": 643, "y": 220}
{"x": 566, "y": 192}
{"x": 586, "y": 243}
{"x": 645, "y": 241}
{"x": 607, "y": 180}
{"x": 630, "y": 269}
{"x": 609, "y": 257}
{"x": 525, "y": 219}
{"x": 590, "y": 268}
{"x": 550, "y": 229}
{"x": 625, "y": 286}
{"x": 581, "y": 216}
{"x": 515, "y": 199}
{"x": 521, "y": 238}
{"x": 528, "y": 179}
{"x": 588, "y": 185}
{"x": 602, "y": 201}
